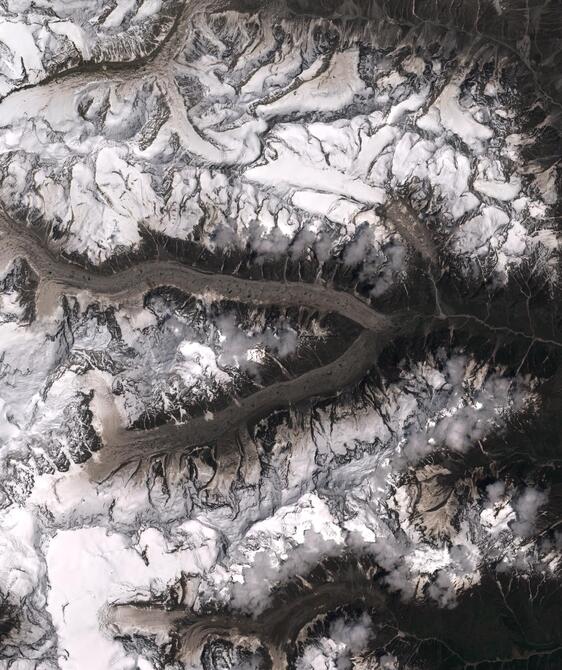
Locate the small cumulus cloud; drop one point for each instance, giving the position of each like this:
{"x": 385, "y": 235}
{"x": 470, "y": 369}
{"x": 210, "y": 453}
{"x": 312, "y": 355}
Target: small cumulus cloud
{"x": 527, "y": 507}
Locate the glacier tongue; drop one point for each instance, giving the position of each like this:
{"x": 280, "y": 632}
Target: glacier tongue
{"x": 279, "y": 335}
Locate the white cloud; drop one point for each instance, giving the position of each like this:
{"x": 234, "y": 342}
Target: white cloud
{"x": 527, "y": 507}
{"x": 335, "y": 652}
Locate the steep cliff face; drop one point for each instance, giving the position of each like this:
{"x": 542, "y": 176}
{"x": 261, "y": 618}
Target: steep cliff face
{"x": 280, "y": 337}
